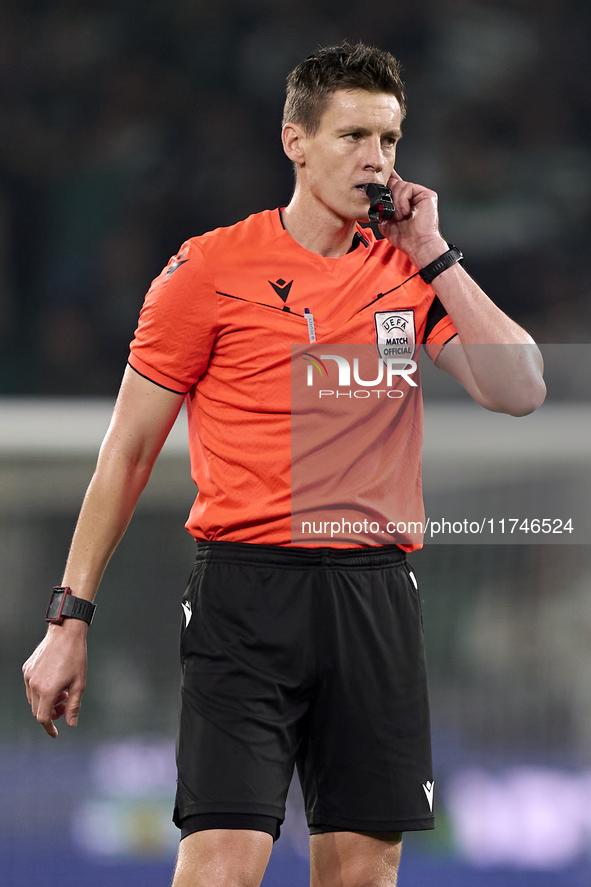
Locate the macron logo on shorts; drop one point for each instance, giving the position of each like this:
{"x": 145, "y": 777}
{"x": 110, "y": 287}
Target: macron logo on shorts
{"x": 428, "y": 789}
{"x": 186, "y": 605}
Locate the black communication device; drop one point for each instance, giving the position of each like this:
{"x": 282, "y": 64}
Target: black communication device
{"x": 64, "y": 605}
{"x": 381, "y": 206}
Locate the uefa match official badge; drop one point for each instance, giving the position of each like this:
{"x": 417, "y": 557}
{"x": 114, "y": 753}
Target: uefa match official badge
{"x": 395, "y": 333}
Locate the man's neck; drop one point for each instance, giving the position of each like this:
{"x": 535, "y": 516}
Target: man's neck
{"x": 316, "y": 229}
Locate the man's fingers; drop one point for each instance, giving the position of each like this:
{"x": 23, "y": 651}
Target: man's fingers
{"x": 43, "y": 715}
{"x": 402, "y": 202}
{"x": 411, "y": 199}
{"x": 72, "y": 707}
{"x": 27, "y": 680}
{"x": 49, "y": 710}
{"x": 59, "y": 706}
{"x": 28, "y": 692}
{"x": 57, "y": 711}
{"x": 402, "y": 197}
{"x": 46, "y": 709}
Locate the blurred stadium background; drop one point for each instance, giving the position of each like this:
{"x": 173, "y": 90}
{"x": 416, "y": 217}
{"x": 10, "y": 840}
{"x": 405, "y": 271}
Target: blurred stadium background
{"x": 127, "y": 127}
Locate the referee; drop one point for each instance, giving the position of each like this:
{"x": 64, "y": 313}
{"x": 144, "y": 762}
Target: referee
{"x": 307, "y": 656}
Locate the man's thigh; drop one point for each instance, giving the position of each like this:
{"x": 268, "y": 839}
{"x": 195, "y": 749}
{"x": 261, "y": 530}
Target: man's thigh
{"x": 354, "y": 859}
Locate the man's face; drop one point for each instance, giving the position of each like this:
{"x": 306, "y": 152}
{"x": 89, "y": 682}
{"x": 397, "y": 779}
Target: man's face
{"x": 354, "y": 144}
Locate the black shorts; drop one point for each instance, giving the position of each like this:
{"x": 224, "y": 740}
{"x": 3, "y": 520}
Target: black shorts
{"x": 307, "y": 657}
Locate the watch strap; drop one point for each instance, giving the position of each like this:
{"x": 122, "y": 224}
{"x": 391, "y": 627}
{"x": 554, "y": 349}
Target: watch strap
{"x": 446, "y": 260}
{"x": 64, "y": 605}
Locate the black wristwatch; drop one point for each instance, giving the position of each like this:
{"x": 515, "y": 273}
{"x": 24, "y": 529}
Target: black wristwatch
{"x": 446, "y": 260}
{"x": 64, "y": 605}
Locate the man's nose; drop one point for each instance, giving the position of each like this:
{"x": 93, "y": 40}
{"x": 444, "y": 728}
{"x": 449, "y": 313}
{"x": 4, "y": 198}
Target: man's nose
{"x": 375, "y": 158}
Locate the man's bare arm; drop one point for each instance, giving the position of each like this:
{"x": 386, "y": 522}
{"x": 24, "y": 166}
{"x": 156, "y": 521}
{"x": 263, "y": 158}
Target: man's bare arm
{"x": 504, "y": 378}
{"x": 495, "y": 360}
{"x": 55, "y": 674}
{"x": 492, "y": 357}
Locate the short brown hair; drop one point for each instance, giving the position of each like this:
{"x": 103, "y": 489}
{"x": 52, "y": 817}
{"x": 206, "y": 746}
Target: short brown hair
{"x": 345, "y": 66}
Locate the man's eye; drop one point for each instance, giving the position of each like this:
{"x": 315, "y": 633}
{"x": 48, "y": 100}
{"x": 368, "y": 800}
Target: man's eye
{"x": 354, "y": 136}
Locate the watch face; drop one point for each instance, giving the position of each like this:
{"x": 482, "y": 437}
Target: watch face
{"x": 55, "y": 606}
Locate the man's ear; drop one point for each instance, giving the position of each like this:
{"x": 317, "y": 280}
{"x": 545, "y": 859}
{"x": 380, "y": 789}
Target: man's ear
{"x": 293, "y": 138}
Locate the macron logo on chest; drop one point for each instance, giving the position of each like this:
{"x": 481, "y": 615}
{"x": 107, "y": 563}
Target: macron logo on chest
{"x": 281, "y": 288}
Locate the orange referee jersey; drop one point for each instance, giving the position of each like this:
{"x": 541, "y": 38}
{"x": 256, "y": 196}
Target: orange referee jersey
{"x": 219, "y": 325}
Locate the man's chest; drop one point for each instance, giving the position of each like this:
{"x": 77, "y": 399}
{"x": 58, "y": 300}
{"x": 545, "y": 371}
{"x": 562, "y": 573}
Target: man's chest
{"x": 271, "y": 306}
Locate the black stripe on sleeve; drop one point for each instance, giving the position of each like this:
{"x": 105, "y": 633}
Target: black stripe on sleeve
{"x": 155, "y": 383}
{"x": 436, "y": 313}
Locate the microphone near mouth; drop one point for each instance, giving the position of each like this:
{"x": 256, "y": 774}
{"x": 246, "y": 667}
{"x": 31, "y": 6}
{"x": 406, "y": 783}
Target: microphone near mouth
{"x": 381, "y": 206}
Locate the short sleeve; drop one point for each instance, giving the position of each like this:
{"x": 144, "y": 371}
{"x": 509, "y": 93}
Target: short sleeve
{"x": 177, "y": 323}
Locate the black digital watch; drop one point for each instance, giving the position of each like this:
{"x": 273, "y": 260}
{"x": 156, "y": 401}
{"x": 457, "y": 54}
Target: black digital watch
{"x": 445, "y": 261}
{"x": 64, "y": 605}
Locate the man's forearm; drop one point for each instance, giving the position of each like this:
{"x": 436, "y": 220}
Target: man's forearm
{"x": 108, "y": 506}
{"x": 142, "y": 419}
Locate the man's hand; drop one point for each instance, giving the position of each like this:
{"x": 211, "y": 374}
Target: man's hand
{"x": 55, "y": 675}
{"x": 414, "y": 228}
